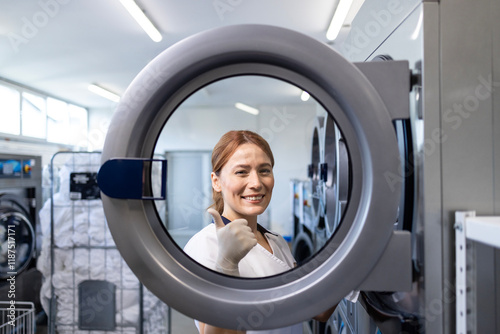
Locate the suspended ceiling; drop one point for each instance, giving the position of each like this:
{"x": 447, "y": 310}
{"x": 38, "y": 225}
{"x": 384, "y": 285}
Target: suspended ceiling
{"x": 59, "y": 47}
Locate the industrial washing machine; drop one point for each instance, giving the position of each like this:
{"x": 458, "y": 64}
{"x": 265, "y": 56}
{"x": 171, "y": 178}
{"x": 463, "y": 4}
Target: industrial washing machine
{"x": 323, "y": 197}
{"x": 451, "y": 101}
{"x": 364, "y": 252}
{"x": 413, "y": 91}
{"x": 20, "y": 199}
{"x": 327, "y": 198}
{"x": 392, "y": 312}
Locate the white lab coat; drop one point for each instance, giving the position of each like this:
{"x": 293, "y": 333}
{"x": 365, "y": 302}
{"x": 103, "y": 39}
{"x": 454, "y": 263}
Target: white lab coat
{"x": 257, "y": 263}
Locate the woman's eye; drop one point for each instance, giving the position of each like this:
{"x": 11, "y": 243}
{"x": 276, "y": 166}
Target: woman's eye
{"x": 265, "y": 171}
{"x": 240, "y": 172}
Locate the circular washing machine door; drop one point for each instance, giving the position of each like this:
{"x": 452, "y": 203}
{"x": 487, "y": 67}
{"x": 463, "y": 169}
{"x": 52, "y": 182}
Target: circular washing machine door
{"x": 336, "y": 176}
{"x": 17, "y": 236}
{"x": 314, "y": 204}
{"x": 345, "y": 260}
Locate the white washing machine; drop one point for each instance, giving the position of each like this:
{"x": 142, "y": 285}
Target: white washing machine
{"x": 329, "y": 176}
{"x": 20, "y": 200}
{"x": 20, "y": 181}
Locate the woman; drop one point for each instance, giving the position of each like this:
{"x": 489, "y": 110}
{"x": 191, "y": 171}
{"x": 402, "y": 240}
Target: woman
{"x": 242, "y": 182}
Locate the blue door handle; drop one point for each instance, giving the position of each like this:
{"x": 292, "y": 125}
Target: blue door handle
{"x": 126, "y": 178}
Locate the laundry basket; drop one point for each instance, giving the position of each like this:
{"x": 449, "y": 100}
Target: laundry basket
{"x": 17, "y": 317}
{"x": 88, "y": 288}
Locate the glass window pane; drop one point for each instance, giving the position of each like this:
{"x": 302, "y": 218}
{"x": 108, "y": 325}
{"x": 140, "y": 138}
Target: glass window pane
{"x": 78, "y": 125}
{"x": 57, "y": 109}
{"x": 34, "y": 117}
{"x": 57, "y": 121}
{"x": 10, "y": 111}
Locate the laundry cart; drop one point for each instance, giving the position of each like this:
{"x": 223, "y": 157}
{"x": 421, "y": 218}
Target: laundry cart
{"x": 17, "y": 317}
{"x": 87, "y": 286}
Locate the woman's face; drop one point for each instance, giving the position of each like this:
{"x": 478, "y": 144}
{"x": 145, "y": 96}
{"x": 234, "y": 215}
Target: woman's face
{"x": 246, "y": 182}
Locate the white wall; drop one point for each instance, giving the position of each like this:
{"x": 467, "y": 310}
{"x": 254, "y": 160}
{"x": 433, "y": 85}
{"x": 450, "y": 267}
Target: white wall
{"x": 199, "y": 129}
{"x": 98, "y": 126}
{"x": 288, "y": 130}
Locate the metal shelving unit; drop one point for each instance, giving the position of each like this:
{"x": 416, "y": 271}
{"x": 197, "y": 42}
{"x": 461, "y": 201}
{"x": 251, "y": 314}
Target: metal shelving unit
{"x": 470, "y": 229}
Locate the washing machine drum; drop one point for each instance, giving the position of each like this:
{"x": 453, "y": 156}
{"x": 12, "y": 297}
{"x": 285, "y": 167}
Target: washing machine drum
{"x": 17, "y": 237}
{"x": 346, "y": 259}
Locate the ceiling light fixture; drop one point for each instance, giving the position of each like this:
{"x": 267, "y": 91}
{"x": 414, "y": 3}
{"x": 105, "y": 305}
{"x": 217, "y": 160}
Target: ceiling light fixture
{"x": 248, "y": 109}
{"x": 304, "y": 96}
{"x": 338, "y": 19}
{"x": 142, "y": 19}
{"x": 104, "y": 93}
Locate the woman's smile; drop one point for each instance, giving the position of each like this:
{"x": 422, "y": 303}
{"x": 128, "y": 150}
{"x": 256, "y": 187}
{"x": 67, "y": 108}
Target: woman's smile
{"x": 246, "y": 183}
{"x": 254, "y": 198}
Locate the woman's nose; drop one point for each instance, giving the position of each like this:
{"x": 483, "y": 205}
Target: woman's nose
{"x": 254, "y": 180}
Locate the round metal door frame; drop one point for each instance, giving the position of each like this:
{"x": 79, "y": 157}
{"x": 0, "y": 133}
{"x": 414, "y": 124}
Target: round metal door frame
{"x": 342, "y": 264}
{"x": 24, "y": 234}
{"x": 317, "y": 153}
{"x": 332, "y": 137}
{"x": 336, "y": 194}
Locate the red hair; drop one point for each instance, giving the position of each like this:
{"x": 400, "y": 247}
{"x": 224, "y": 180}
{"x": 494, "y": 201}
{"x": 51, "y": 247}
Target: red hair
{"x": 225, "y": 148}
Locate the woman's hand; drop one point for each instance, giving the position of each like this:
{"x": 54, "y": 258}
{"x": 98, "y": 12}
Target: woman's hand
{"x": 235, "y": 240}
{"x": 207, "y": 329}
{"x": 323, "y": 317}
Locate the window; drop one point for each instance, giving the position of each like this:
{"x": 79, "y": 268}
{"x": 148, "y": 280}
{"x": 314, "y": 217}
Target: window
{"x": 57, "y": 121}
{"x": 33, "y": 116}
{"x": 10, "y": 110}
{"x": 27, "y": 114}
{"x": 78, "y": 125}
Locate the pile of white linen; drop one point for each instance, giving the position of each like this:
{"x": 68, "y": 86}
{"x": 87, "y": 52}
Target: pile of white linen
{"x": 85, "y": 250}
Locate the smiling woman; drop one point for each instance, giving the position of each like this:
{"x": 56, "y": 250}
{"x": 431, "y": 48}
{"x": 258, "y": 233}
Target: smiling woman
{"x": 235, "y": 244}
{"x": 242, "y": 182}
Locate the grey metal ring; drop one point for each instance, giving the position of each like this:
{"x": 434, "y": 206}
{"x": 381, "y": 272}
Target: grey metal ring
{"x": 344, "y": 262}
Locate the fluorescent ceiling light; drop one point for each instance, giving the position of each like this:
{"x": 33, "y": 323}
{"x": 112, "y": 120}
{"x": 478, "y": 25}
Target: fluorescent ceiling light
{"x": 104, "y": 93}
{"x": 338, "y": 19}
{"x": 304, "y": 96}
{"x": 246, "y": 108}
{"x": 142, "y": 19}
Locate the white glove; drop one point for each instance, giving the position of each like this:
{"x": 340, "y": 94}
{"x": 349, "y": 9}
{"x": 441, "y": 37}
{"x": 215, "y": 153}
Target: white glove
{"x": 235, "y": 240}
{"x": 352, "y": 296}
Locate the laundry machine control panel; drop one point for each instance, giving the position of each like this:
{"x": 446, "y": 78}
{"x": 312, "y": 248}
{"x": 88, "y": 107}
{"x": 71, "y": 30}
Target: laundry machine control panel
{"x": 16, "y": 168}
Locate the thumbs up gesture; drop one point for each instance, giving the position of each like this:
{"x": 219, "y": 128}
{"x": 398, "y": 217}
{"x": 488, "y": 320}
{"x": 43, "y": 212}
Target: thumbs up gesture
{"x": 235, "y": 240}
